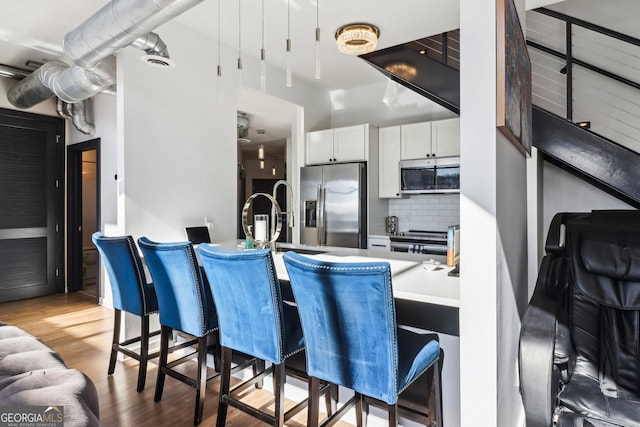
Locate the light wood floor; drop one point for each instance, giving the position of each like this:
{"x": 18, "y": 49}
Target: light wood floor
{"x": 80, "y": 331}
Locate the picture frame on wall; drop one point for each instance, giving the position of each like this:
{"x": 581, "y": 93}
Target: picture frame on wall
{"x": 513, "y": 85}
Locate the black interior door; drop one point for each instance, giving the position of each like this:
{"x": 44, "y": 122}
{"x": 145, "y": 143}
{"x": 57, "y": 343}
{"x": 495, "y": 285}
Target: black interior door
{"x": 78, "y": 233}
{"x": 31, "y": 201}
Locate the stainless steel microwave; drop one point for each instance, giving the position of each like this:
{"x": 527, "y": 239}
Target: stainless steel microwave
{"x": 430, "y": 176}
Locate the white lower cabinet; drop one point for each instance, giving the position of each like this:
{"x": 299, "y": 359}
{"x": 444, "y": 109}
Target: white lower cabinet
{"x": 381, "y": 243}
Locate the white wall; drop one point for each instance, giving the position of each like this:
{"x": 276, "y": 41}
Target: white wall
{"x": 563, "y": 192}
{"x": 493, "y": 279}
{"x": 179, "y": 135}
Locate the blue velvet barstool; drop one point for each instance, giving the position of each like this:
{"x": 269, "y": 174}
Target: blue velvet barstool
{"x": 253, "y": 320}
{"x": 185, "y": 305}
{"x": 348, "y": 317}
{"x": 131, "y": 293}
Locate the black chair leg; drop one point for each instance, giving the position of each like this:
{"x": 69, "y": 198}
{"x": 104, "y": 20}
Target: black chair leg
{"x": 144, "y": 353}
{"x": 278, "y": 390}
{"x": 361, "y": 416}
{"x": 162, "y": 363}
{"x": 217, "y": 353}
{"x": 225, "y": 384}
{"x": 331, "y": 399}
{"x": 258, "y": 367}
{"x": 115, "y": 343}
{"x": 438, "y": 396}
{"x": 393, "y": 415}
{"x": 314, "y": 402}
{"x": 201, "y": 382}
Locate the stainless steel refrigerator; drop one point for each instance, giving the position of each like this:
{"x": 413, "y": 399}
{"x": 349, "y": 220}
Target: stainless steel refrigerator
{"x": 333, "y": 204}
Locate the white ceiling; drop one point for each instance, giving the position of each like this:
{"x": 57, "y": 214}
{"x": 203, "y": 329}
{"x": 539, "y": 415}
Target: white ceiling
{"x": 34, "y": 29}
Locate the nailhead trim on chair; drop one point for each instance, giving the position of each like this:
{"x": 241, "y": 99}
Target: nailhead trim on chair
{"x": 273, "y": 290}
{"x": 390, "y": 290}
{"x": 141, "y": 281}
{"x": 194, "y": 268}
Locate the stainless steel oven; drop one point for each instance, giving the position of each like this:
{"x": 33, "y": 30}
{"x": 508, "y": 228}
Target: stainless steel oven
{"x": 420, "y": 241}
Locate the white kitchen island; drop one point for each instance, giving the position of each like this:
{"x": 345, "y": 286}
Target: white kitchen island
{"x": 426, "y": 301}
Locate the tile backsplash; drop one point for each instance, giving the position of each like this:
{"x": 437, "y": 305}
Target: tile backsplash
{"x": 434, "y": 212}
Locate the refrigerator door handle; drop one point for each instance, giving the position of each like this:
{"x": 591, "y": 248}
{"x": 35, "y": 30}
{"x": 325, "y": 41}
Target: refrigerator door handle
{"x": 320, "y": 215}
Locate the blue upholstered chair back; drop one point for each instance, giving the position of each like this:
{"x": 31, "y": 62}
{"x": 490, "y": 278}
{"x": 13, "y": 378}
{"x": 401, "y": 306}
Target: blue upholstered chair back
{"x": 247, "y": 295}
{"x": 184, "y": 302}
{"x": 349, "y": 323}
{"x": 129, "y": 286}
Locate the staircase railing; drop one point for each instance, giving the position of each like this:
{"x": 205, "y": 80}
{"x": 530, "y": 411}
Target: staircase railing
{"x": 571, "y": 60}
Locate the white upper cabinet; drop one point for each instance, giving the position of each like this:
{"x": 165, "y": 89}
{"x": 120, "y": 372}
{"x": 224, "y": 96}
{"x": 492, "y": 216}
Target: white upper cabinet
{"x": 389, "y": 157}
{"x": 319, "y": 147}
{"x": 431, "y": 139}
{"x": 445, "y": 138}
{"x": 346, "y": 144}
{"x": 415, "y": 141}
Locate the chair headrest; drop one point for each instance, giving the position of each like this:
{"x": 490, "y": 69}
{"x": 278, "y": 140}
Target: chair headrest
{"x": 606, "y": 266}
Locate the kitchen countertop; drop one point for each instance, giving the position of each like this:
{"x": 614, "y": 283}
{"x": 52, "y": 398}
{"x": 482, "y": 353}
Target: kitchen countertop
{"x": 410, "y": 280}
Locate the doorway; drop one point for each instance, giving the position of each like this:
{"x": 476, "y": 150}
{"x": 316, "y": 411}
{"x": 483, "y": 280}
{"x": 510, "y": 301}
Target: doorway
{"x": 32, "y": 205}
{"x": 262, "y": 205}
{"x": 83, "y": 175}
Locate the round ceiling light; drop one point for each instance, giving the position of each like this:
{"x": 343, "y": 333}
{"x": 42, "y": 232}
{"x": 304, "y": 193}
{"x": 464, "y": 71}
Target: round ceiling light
{"x": 357, "y": 39}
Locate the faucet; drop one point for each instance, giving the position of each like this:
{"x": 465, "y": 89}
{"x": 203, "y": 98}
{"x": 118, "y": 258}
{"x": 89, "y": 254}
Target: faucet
{"x": 289, "y": 214}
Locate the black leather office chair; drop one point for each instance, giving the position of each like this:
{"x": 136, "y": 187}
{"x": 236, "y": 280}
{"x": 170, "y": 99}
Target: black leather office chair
{"x": 580, "y": 336}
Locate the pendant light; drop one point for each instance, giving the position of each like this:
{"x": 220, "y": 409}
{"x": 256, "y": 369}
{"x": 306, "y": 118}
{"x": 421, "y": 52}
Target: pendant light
{"x": 288, "y": 55}
{"x": 239, "y": 46}
{"x": 219, "y": 67}
{"x": 263, "y": 59}
{"x": 317, "y": 39}
{"x": 261, "y": 152}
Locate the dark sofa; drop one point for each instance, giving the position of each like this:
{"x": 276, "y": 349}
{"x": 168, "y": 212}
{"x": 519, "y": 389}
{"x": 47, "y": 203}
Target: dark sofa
{"x": 33, "y": 374}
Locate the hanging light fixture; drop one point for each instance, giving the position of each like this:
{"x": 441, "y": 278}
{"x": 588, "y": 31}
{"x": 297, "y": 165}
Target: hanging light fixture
{"x": 288, "y": 55}
{"x": 273, "y": 171}
{"x": 357, "y": 39}
{"x": 261, "y": 164}
{"x": 261, "y": 153}
{"x": 317, "y": 39}
{"x": 263, "y": 58}
{"x": 239, "y": 45}
{"x": 219, "y": 68}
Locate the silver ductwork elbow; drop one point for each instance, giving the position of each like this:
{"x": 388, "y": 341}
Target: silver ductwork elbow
{"x": 152, "y": 44}
{"x": 79, "y": 118}
{"x": 118, "y": 24}
{"x": 91, "y": 47}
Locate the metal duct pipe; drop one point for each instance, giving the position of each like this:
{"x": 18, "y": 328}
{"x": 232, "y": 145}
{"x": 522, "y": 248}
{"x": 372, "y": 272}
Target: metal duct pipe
{"x": 13, "y": 73}
{"x": 61, "y": 109}
{"x": 76, "y": 84}
{"x": 34, "y": 88}
{"x": 118, "y": 24}
{"x": 152, "y": 44}
{"x": 91, "y": 46}
{"x": 79, "y": 118}
{"x": 71, "y": 84}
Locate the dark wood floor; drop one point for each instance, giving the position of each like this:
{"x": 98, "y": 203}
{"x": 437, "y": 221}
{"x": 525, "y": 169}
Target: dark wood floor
{"x": 80, "y": 330}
